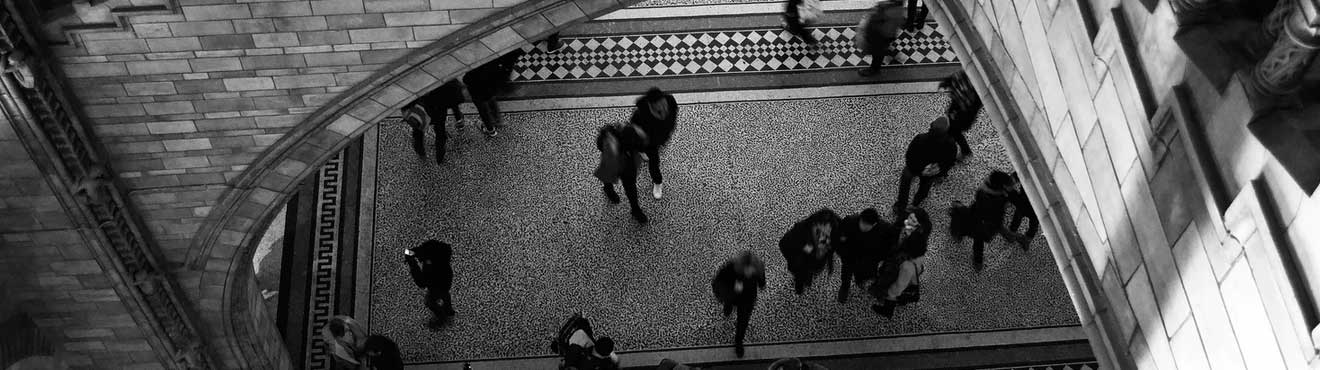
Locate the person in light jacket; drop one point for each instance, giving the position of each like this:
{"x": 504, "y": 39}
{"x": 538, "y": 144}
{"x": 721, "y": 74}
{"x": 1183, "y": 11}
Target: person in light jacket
{"x": 912, "y": 242}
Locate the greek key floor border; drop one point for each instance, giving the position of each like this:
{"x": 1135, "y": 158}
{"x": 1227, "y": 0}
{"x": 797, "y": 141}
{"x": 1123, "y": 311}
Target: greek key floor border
{"x": 325, "y": 264}
{"x": 721, "y": 52}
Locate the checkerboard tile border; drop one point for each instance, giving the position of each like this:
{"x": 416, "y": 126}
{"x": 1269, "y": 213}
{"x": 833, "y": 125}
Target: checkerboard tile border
{"x": 720, "y": 52}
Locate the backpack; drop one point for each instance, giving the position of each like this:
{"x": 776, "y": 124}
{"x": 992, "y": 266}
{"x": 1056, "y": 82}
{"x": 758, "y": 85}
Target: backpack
{"x": 885, "y": 276}
{"x": 809, "y": 11}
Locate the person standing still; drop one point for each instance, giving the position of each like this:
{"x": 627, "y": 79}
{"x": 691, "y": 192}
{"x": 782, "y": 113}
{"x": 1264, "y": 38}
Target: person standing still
{"x": 619, "y": 147}
{"x": 657, "y": 114}
{"x": 876, "y": 32}
{"x": 904, "y": 285}
{"x": 429, "y": 266}
{"x": 806, "y": 247}
{"x": 929, "y": 155}
{"x": 736, "y": 285}
{"x": 860, "y": 243}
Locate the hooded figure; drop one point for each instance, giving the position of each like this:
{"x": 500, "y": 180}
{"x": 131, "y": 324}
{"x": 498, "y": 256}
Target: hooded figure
{"x": 657, "y": 114}
{"x": 735, "y": 285}
{"x": 861, "y": 241}
{"x": 429, "y": 266}
{"x": 619, "y": 160}
{"x": 807, "y": 247}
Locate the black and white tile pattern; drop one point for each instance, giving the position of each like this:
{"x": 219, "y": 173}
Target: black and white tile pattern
{"x": 720, "y": 52}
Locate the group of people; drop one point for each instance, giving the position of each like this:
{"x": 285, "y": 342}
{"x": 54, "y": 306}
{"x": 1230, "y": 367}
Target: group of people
{"x": 876, "y": 31}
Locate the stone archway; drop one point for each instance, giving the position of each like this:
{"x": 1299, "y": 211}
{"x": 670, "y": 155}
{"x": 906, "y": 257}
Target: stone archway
{"x": 244, "y": 334}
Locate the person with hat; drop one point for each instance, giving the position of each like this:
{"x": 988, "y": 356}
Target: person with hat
{"x": 428, "y": 264}
{"x": 929, "y": 155}
{"x": 735, "y": 285}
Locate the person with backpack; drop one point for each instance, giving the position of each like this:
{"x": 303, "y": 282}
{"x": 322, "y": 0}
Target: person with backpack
{"x": 657, "y": 114}
{"x": 798, "y": 14}
{"x": 929, "y": 155}
{"x": 964, "y": 106}
{"x": 899, "y": 278}
{"x": 807, "y": 247}
{"x": 735, "y": 285}
{"x": 860, "y": 243}
{"x": 619, "y": 147}
{"x": 877, "y": 30}
{"x": 429, "y": 266}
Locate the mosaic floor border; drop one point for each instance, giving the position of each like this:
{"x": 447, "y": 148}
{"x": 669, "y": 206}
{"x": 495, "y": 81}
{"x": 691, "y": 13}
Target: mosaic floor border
{"x": 721, "y": 52}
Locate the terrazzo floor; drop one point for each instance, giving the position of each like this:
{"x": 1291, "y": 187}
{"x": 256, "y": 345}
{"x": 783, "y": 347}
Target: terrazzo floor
{"x": 535, "y": 240}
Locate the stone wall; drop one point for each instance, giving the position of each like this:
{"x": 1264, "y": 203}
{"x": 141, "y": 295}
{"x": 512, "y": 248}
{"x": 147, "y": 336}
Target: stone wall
{"x": 1179, "y": 233}
{"x": 51, "y": 274}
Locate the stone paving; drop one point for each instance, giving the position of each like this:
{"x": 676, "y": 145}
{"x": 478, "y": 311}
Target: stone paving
{"x": 535, "y": 240}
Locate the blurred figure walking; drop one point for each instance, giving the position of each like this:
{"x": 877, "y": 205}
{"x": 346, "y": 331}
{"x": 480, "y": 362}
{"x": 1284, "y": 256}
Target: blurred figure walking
{"x": 916, "y": 14}
{"x": 807, "y": 248}
{"x": 485, "y": 83}
{"x": 619, "y": 147}
{"x": 877, "y": 30}
{"x": 657, "y": 114}
{"x": 964, "y": 106}
{"x": 429, "y": 266}
{"x": 736, "y": 285}
{"x": 382, "y": 354}
{"x": 1022, "y": 211}
{"x": 800, "y": 13}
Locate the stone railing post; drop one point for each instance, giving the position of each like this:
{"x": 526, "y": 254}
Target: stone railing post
{"x": 1280, "y": 72}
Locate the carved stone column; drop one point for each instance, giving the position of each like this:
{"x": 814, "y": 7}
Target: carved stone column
{"x": 1292, "y": 53}
{"x": 1259, "y": 45}
{"x": 1190, "y": 12}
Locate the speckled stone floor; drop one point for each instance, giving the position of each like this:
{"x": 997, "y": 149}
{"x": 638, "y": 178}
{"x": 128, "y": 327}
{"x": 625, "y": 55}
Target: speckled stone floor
{"x": 536, "y": 240}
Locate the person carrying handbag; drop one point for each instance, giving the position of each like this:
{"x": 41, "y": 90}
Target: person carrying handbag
{"x": 899, "y": 277}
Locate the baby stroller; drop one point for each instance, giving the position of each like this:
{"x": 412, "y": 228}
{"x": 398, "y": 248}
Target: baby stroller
{"x": 574, "y": 342}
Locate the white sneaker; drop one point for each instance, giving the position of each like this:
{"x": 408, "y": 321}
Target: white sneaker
{"x": 658, "y": 190}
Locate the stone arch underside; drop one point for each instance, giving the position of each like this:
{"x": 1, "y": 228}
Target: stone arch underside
{"x": 245, "y": 337}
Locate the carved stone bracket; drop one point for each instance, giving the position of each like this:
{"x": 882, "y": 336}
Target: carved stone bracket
{"x": 1189, "y": 12}
{"x": 1293, "y": 51}
{"x": 99, "y": 201}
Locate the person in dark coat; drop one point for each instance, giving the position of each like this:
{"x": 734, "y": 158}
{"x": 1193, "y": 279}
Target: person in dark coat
{"x": 416, "y": 116}
{"x": 964, "y": 106}
{"x": 736, "y": 284}
{"x": 619, "y": 147}
{"x": 807, "y": 248}
{"x": 383, "y": 354}
{"x": 1022, "y": 211}
{"x": 428, "y": 264}
{"x": 861, "y": 242}
{"x": 794, "y": 24}
{"x": 657, "y": 114}
{"x": 446, "y": 99}
{"x": 485, "y": 83}
{"x": 916, "y": 14}
{"x": 913, "y": 236}
{"x": 988, "y": 212}
{"x": 929, "y": 155}
{"x": 880, "y": 28}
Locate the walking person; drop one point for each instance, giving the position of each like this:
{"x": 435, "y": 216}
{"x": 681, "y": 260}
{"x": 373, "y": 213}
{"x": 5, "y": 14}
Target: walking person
{"x": 964, "y": 106}
{"x": 429, "y": 266}
{"x": 877, "y": 30}
{"x": 807, "y": 248}
{"x": 345, "y": 339}
{"x": 416, "y": 116}
{"x": 916, "y": 14}
{"x": 899, "y": 280}
{"x": 735, "y": 285}
{"x": 929, "y": 155}
{"x": 861, "y": 244}
{"x": 798, "y": 14}
{"x": 382, "y": 354}
{"x": 1022, "y": 211}
{"x": 987, "y": 212}
{"x": 446, "y": 99}
{"x": 619, "y": 147}
{"x": 485, "y": 83}
{"x": 657, "y": 114}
